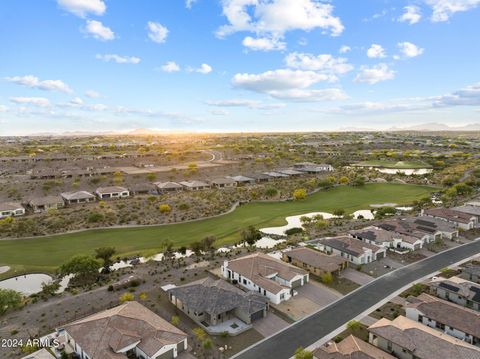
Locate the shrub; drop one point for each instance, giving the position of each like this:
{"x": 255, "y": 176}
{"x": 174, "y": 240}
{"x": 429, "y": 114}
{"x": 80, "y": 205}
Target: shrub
{"x": 95, "y": 217}
{"x": 126, "y": 297}
{"x": 164, "y": 208}
{"x": 299, "y": 194}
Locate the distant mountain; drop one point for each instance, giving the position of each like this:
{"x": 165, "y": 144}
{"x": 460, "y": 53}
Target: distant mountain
{"x": 434, "y": 126}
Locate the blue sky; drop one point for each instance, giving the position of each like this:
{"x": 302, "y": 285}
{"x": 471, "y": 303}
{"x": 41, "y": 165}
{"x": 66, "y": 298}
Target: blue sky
{"x": 237, "y": 65}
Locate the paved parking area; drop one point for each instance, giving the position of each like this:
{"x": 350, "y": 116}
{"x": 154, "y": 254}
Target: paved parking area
{"x": 357, "y": 276}
{"x": 318, "y": 293}
{"x": 310, "y": 298}
{"x": 269, "y": 325}
{"x": 381, "y": 267}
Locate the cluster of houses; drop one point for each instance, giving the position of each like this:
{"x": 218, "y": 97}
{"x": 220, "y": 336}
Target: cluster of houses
{"x": 442, "y": 322}
{"x": 400, "y": 235}
{"x": 43, "y": 204}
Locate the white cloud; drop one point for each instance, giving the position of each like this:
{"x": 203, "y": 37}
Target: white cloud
{"x": 468, "y": 96}
{"x": 157, "y": 32}
{"x": 283, "y": 79}
{"x": 118, "y": 59}
{"x": 306, "y": 95}
{"x": 3, "y": 108}
{"x": 83, "y": 7}
{"x": 36, "y": 101}
{"x": 99, "y": 31}
{"x": 444, "y": 9}
{"x": 344, "y": 49}
{"x": 412, "y": 14}
{"x": 252, "y": 104}
{"x": 204, "y": 69}
{"x": 189, "y": 3}
{"x": 263, "y": 44}
{"x": 273, "y": 18}
{"x": 170, "y": 66}
{"x": 76, "y": 101}
{"x": 288, "y": 84}
{"x": 92, "y": 94}
{"x": 324, "y": 63}
{"x": 34, "y": 82}
{"x": 219, "y": 112}
{"x": 409, "y": 50}
{"x": 376, "y": 51}
{"x": 377, "y": 73}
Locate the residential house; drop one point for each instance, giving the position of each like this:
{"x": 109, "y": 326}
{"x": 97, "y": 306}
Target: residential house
{"x": 408, "y": 339}
{"x": 43, "y": 204}
{"x": 433, "y": 225}
{"x": 11, "y": 209}
{"x": 471, "y": 210}
{"x": 315, "y": 261}
{"x": 210, "y": 302}
{"x": 275, "y": 175}
{"x": 40, "y": 354}
{"x": 266, "y": 275}
{"x": 350, "y": 348}
{"x": 290, "y": 172}
{"x": 471, "y": 271}
{"x": 260, "y": 177}
{"x": 143, "y": 189}
{"x": 452, "y": 319}
{"x": 129, "y": 330}
{"x": 408, "y": 227}
{"x": 112, "y": 192}
{"x": 310, "y": 167}
{"x": 355, "y": 251}
{"x": 387, "y": 239}
{"x": 457, "y": 290}
{"x": 242, "y": 180}
{"x": 77, "y": 197}
{"x": 195, "y": 185}
{"x": 223, "y": 182}
{"x": 462, "y": 220}
{"x": 166, "y": 187}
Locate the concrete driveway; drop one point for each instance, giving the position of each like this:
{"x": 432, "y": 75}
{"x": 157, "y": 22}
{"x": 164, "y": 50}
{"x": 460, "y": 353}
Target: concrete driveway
{"x": 318, "y": 293}
{"x": 269, "y": 325}
{"x": 357, "y": 276}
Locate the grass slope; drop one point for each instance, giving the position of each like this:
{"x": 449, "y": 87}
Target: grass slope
{"x": 46, "y": 253}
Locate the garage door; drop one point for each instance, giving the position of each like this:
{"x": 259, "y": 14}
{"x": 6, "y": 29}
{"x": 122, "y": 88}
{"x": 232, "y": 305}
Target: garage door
{"x": 180, "y": 347}
{"x": 380, "y": 255}
{"x": 166, "y": 355}
{"x": 257, "y": 315}
{"x": 297, "y": 283}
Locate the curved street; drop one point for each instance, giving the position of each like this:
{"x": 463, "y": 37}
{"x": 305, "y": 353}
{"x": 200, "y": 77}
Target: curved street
{"x": 311, "y": 329}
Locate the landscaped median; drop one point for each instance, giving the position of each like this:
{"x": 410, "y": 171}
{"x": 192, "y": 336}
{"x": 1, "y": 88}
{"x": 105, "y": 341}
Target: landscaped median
{"x": 47, "y": 253}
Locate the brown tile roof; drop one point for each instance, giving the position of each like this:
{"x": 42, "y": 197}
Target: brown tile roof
{"x": 350, "y": 348}
{"x": 422, "y": 340}
{"x": 223, "y": 180}
{"x": 103, "y": 333}
{"x": 453, "y": 315}
{"x": 111, "y": 189}
{"x": 40, "y": 354}
{"x": 41, "y": 201}
{"x": 10, "y": 206}
{"x": 349, "y": 245}
{"x": 258, "y": 266}
{"x": 449, "y": 214}
{"x": 316, "y": 259}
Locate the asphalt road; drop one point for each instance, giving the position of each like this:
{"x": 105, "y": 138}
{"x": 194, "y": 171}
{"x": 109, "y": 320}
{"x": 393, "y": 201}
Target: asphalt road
{"x": 309, "y": 330}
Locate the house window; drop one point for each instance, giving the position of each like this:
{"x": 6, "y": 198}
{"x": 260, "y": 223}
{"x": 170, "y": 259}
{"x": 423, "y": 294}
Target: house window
{"x": 244, "y": 281}
{"x": 282, "y": 296}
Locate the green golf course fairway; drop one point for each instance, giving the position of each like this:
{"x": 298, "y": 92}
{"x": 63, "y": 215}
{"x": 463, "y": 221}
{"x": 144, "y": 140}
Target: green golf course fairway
{"x": 45, "y": 254}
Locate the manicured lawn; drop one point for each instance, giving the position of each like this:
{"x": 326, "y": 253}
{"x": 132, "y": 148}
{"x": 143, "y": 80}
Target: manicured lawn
{"x": 394, "y": 164}
{"x": 47, "y": 253}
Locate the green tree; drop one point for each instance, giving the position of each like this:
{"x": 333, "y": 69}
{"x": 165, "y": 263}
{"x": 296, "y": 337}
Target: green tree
{"x": 326, "y": 278}
{"x": 354, "y": 325}
{"x": 271, "y": 192}
{"x": 82, "y": 267}
{"x": 175, "y": 320}
{"x": 299, "y": 194}
{"x": 105, "y": 254}
{"x": 339, "y": 212}
{"x": 164, "y": 208}
{"x": 127, "y": 297}
{"x": 302, "y": 353}
{"x": 250, "y": 235}
{"x": 9, "y": 299}
{"x": 343, "y": 180}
